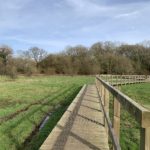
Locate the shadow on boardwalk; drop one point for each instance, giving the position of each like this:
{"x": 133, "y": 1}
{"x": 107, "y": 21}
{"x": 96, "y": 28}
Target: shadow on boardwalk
{"x": 81, "y": 127}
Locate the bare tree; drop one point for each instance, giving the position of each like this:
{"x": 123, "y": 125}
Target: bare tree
{"x": 35, "y": 53}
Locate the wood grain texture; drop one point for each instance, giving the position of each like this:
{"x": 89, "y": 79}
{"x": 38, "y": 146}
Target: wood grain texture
{"x": 82, "y": 125}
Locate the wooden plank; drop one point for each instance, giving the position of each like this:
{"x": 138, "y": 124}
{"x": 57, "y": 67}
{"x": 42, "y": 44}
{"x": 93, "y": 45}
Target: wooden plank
{"x": 106, "y": 104}
{"x": 145, "y": 119}
{"x": 81, "y": 127}
{"x": 116, "y": 118}
{"x": 145, "y": 139}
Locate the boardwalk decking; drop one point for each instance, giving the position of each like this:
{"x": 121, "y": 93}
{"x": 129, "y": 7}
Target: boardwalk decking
{"x": 82, "y": 125}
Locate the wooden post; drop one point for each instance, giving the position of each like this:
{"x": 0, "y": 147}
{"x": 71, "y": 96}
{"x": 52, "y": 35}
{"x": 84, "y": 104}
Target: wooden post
{"x": 139, "y": 79}
{"x": 106, "y": 106}
{"x": 145, "y": 139}
{"x": 116, "y": 118}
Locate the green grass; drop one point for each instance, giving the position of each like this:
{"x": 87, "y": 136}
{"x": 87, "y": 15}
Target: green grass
{"x": 139, "y": 92}
{"x": 39, "y": 138}
{"x": 25, "y": 101}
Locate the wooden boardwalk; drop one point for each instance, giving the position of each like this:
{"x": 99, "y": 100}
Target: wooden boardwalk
{"x": 82, "y": 125}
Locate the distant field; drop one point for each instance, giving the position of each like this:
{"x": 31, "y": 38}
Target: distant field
{"x": 25, "y": 101}
{"x": 139, "y": 92}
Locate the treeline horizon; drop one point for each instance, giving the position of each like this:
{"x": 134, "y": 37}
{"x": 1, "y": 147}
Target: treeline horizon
{"x": 100, "y": 58}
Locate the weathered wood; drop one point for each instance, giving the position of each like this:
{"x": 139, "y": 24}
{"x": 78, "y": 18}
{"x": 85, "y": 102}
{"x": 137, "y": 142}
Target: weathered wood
{"x": 81, "y": 127}
{"x": 106, "y": 104}
{"x": 145, "y": 121}
{"x": 141, "y": 114}
{"x": 145, "y": 139}
{"x": 136, "y": 110}
{"x": 114, "y": 138}
{"x": 116, "y": 118}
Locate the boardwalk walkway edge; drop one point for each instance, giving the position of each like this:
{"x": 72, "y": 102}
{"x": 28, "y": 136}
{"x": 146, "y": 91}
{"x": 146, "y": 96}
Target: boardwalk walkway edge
{"x": 82, "y": 125}
{"x": 48, "y": 143}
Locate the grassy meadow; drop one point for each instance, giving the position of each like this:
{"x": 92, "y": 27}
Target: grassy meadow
{"x": 139, "y": 92}
{"x": 25, "y": 101}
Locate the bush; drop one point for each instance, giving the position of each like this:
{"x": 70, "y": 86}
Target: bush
{"x": 50, "y": 71}
{"x": 25, "y": 66}
{"x": 11, "y": 71}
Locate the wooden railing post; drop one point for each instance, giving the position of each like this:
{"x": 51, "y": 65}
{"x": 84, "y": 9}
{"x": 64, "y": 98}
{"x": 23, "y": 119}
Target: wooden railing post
{"x": 106, "y": 106}
{"x": 145, "y": 139}
{"x": 116, "y": 118}
{"x": 139, "y": 79}
{"x": 120, "y": 79}
{"x": 123, "y": 79}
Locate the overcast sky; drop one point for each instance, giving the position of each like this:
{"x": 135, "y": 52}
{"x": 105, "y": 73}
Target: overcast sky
{"x": 55, "y": 24}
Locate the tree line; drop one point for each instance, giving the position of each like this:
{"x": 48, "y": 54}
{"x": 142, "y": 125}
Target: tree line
{"x": 100, "y": 58}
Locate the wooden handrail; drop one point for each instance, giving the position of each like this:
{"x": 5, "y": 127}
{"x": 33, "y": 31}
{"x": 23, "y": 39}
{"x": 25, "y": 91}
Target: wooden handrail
{"x": 109, "y": 124}
{"x": 141, "y": 114}
{"x": 124, "y": 79}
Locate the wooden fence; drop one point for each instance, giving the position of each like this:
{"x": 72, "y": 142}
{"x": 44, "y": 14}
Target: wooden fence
{"x": 140, "y": 114}
{"x": 124, "y": 79}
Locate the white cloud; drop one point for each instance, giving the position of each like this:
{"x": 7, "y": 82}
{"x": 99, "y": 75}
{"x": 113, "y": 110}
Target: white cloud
{"x": 129, "y": 14}
{"x": 62, "y": 22}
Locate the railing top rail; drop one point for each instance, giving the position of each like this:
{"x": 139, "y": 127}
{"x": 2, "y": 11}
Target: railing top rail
{"x": 141, "y": 114}
{"x": 126, "y": 76}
